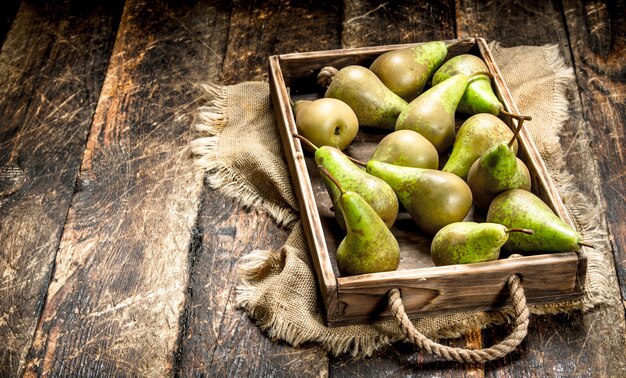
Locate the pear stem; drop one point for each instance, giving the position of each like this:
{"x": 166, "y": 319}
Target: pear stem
{"x": 331, "y": 178}
{"x": 306, "y": 141}
{"x": 585, "y": 244}
{"x": 357, "y": 162}
{"x": 516, "y": 133}
{"x": 515, "y": 116}
{"x": 524, "y": 230}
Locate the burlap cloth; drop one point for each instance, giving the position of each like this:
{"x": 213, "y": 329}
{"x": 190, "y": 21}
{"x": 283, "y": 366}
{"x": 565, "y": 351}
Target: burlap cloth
{"x": 241, "y": 151}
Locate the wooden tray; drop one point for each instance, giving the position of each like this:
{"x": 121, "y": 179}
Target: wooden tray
{"x": 426, "y": 289}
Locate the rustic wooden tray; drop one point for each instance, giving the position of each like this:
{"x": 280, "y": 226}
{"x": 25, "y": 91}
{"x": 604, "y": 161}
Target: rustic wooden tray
{"x": 426, "y": 289}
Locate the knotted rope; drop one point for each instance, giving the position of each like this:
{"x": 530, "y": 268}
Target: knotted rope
{"x": 499, "y": 350}
{"x": 326, "y": 75}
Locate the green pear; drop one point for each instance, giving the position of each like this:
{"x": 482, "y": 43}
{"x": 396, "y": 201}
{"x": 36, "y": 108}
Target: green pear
{"x": 479, "y": 96}
{"x": 375, "y": 191}
{"x": 406, "y": 71}
{"x": 517, "y": 208}
{"x": 368, "y": 246}
{"x": 432, "y": 113}
{"x": 407, "y": 148}
{"x": 496, "y": 171}
{"x": 469, "y": 242}
{"x": 433, "y": 198}
{"x": 326, "y": 122}
{"x": 477, "y": 134}
{"x": 373, "y": 103}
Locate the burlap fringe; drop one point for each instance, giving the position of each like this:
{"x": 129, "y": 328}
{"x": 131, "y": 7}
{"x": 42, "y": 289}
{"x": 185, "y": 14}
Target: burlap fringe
{"x": 258, "y": 263}
{"x": 256, "y": 266}
{"x": 211, "y": 120}
{"x": 278, "y": 328}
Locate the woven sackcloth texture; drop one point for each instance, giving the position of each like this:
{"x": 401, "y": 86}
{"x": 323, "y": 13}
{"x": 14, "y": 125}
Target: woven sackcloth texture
{"x": 239, "y": 147}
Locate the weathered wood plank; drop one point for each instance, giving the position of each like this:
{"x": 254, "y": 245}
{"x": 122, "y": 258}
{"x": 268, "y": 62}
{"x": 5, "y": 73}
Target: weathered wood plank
{"x": 372, "y": 23}
{"x": 512, "y": 24}
{"x": 570, "y": 345}
{"x": 597, "y": 32}
{"x": 220, "y": 340}
{"x": 403, "y": 360}
{"x": 52, "y": 67}
{"x": 562, "y": 344}
{"x": 259, "y": 29}
{"x": 117, "y": 293}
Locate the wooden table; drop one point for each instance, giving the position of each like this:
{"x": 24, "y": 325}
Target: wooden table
{"x": 116, "y": 259}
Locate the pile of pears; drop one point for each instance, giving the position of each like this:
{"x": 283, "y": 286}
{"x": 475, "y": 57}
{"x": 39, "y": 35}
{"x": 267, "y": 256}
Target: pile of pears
{"x": 417, "y": 95}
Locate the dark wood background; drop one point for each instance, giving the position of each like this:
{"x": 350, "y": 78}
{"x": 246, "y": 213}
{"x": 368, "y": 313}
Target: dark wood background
{"x": 116, "y": 259}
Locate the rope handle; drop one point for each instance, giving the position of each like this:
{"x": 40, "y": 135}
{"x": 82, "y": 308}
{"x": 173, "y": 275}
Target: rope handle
{"x": 499, "y": 350}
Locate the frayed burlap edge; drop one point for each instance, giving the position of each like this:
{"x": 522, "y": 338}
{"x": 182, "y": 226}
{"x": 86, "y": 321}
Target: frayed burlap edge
{"x": 211, "y": 120}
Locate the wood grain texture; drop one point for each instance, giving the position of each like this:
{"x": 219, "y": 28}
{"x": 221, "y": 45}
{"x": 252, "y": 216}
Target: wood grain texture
{"x": 512, "y": 22}
{"x": 52, "y": 66}
{"x": 403, "y": 360}
{"x": 563, "y": 344}
{"x": 597, "y": 31}
{"x": 115, "y": 299}
{"x": 372, "y": 23}
{"x": 259, "y": 29}
{"x": 219, "y": 340}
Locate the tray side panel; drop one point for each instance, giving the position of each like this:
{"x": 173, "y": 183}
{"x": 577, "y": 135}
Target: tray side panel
{"x": 459, "y": 288}
{"x": 303, "y": 67}
{"x": 302, "y": 187}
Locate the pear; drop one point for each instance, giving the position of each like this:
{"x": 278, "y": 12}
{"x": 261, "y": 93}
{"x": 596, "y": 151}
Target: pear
{"x": 469, "y": 242}
{"x": 407, "y": 148}
{"x": 406, "y": 71}
{"x": 433, "y": 198}
{"x": 479, "y": 96}
{"x": 368, "y": 246}
{"x": 326, "y": 122}
{"x": 476, "y": 135}
{"x": 496, "y": 171}
{"x": 373, "y": 103}
{"x": 375, "y": 191}
{"x": 432, "y": 113}
{"x": 517, "y": 208}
